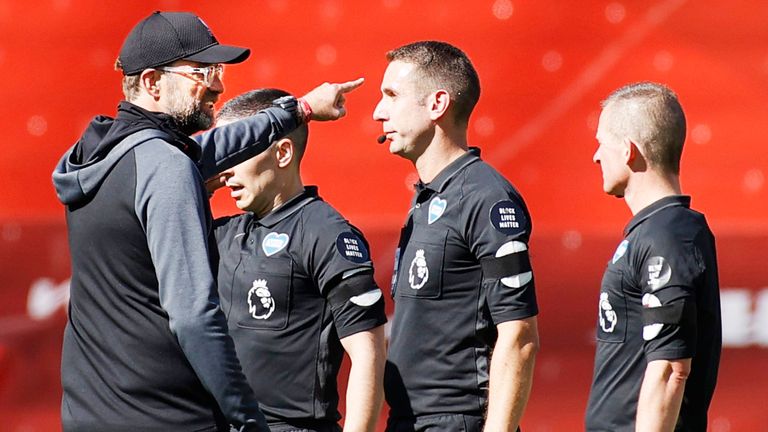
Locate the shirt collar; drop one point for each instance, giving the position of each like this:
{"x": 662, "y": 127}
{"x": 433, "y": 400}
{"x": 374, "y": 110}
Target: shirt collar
{"x": 655, "y": 207}
{"x": 440, "y": 182}
{"x": 289, "y": 207}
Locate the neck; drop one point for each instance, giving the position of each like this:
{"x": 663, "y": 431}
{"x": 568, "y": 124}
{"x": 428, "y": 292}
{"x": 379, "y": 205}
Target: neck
{"x": 444, "y": 149}
{"x": 286, "y": 189}
{"x": 147, "y": 102}
{"x": 650, "y": 187}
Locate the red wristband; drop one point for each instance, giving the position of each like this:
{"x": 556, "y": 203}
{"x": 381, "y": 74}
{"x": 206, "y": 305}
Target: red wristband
{"x": 306, "y": 110}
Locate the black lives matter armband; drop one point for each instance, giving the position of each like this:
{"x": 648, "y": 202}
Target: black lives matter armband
{"x": 359, "y": 289}
{"x": 680, "y": 313}
{"x": 506, "y": 265}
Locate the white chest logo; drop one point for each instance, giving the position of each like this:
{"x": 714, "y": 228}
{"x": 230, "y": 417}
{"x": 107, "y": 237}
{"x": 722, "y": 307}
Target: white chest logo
{"x": 260, "y": 301}
{"x": 274, "y": 243}
{"x": 418, "y": 273}
{"x": 436, "y": 209}
{"x": 608, "y": 317}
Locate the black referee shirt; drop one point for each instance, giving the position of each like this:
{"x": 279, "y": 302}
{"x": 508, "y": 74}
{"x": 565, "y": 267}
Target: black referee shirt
{"x": 274, "y": 277}
{"x": 445, "y": 309}
{"x": 667, "y": 256}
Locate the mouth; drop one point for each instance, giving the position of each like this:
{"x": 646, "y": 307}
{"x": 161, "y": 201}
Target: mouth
{"x": 235, "y": 190}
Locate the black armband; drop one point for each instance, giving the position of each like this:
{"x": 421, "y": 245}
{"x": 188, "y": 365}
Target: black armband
{"x": 679, "y": 313}
{"x": 505, "y": 266}
{"x": 359, "y": 289}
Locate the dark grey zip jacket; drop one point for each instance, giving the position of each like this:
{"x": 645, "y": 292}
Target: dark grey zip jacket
{"x": 146, "y": 346}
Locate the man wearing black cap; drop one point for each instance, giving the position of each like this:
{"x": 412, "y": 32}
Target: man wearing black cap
{"x": 146, "y": 346}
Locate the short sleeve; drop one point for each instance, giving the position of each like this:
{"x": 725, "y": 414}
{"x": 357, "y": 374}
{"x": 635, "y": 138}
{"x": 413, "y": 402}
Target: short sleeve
{"x": 498, "y": 227}
{"x": 339, "y": 261}
{"x": 668, "y": 272}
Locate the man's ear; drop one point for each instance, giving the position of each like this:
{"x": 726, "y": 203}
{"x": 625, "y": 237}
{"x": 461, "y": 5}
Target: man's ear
{"x": 634, "y": 158}
{"x": 150, "y": 82}
{"x": 438, "y": 103}
{"x": 284, "y": 152}
{"x": 629, "y": 151}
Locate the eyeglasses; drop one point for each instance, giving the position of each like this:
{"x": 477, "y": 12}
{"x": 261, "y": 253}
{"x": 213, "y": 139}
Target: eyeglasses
{"x": 209, "y": 74}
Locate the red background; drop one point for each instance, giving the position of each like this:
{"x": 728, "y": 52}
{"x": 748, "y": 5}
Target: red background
{"x": 544, "y": 67}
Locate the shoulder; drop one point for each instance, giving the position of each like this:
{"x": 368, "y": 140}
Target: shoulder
{"x": 672, "y": 228}
{"x": 482, "y": 182}
{"x": 325, "y": 227}
{"x": 320, "y": 219}
{"x": 158, "y": 154}
{"x": 229, "y": 223}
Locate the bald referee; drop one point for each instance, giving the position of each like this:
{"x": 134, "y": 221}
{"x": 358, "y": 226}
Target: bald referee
{"x": 658, "y": 329}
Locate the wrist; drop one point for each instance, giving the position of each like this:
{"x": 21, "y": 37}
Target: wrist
{"x": 305, "y": 109}
{"x": 294, "y": 107}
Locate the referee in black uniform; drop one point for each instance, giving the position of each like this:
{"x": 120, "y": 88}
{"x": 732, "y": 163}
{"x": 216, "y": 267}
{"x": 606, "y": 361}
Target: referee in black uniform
{"x": 658, "y": 332}
{"x": 297, "y": 288}
{"x": 462, "y": 284}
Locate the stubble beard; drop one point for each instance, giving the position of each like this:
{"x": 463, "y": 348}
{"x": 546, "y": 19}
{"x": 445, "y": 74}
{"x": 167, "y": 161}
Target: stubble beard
{"x": 188, "y": 112}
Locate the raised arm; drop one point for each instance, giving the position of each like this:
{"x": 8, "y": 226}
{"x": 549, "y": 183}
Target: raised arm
{"x": 226, "y": 146}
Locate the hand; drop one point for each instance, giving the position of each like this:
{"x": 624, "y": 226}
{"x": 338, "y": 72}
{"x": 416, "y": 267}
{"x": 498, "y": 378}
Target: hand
{"x": 327, "y": 100}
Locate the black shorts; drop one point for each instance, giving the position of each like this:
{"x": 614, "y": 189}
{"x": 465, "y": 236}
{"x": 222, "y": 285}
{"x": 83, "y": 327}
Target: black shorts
{"x": 437, "y": 423}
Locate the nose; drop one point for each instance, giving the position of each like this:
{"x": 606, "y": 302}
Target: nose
{"x": 217, "y": 86}
{"x": 379, "y": 113}
{"x": 596, "y": 156}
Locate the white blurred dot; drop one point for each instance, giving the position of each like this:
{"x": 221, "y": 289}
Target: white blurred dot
{"x": 701, "y": 134}
{"x": 278, "y": 5}
{"x": 326, "y": 55}
{"x": 754, "y": 180}
{"x": 571, "y": 240}
{"x": 101, "y": 58}
{"x": 331, "y": 9}
{"x": 392, "y": 4}
{"x": 593, "y": 119}
{"x": 721, "y": 424}
{"x": 503, "y": 9}
{"x": 410, "y": 180}
{"x": 484, "y": 126}
{"x": 552, "y": 61}
{"x": 37, "y": 125}
{"x": 615, "y": 13}
{"x": 11, "y": 232}
{"x": 663, "y": 61}
{"x": 62, "y": 5}
{"x": 265, "y": 69}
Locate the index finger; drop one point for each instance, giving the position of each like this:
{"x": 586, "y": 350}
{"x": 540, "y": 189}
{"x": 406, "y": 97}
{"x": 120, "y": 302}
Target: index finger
{"x": 350, "y": 85}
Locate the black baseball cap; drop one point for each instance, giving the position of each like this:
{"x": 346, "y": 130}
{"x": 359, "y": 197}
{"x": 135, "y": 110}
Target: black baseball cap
{"x": 165, "y": 37}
